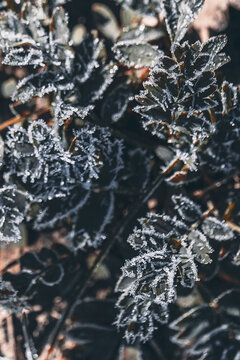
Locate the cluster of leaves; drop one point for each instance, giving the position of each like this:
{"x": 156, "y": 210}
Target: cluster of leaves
{"x": 169, "y": 249}
{"x": 178, "y": 14}
{"x": 118, "y": 116}
{"x": 216, "y": 328}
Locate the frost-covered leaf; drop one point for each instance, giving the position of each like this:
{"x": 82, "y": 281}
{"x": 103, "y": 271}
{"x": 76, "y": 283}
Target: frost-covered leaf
{"x": 229, "y": 97}
{"x": 177, "y": 96}
{"x": 216, "y": 229}
{"x": 63, "y": 111}
{"x": 168, "y": 252}
{"x": 142, "y": 33}
{"x": 89, "y": 224}
{"x": 79, "y": 76}
{"x": 178, "y": 15}
{"x": 116, "y": 102}
{"x": 93, "y": 331}
{"x": 222, "y": 154}
{"x": 97, "y": 155}
{"x": 58, "y": 210}
{"x": 12, "y": 208}
{"x": 19, "y": 57}
{"x": 43, "y": 274}
{"x": 9, "y": 298}
{"x": 145, "y": 7}
{"x": 59, "y": 28}
{"x": 63, "y": 183}
{"x": 179, "y": 88}
{"x": 37, "y": 158}
{"x": 27, "y": 43}
{"x": 41, "y": 84}
{"x": 211, "y": 331}
{"x": 187, "y": 209}
{"x": 136, "y": 54}
{"x": 78, "y": 87}
{"x": 200, "y": 246}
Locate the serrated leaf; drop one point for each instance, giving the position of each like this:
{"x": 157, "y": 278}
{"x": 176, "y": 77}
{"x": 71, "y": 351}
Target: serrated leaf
{"x": 177, "y": 96}
{"x": 207, "y": 331}
{"x": 178, "y": 15}
{"x": 167, "y": 252}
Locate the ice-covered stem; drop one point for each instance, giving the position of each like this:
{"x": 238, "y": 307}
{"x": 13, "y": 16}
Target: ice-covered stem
{"x": 118, "y": 233}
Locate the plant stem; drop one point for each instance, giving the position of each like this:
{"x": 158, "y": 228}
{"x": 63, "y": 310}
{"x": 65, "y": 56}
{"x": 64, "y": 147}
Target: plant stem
{"x": 157, "y": 350}
{"x": 10, "y": 122}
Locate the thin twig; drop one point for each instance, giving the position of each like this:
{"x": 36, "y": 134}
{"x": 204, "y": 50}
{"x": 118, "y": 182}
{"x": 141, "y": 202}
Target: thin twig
{"x": 157, "y": 350}
{"x": 10, "y": 122}
{"x": 20, "y": 118}
{"x": 30, "y": 351}
{"x": 233, "y": 226}
{"x": 216, "y": 185}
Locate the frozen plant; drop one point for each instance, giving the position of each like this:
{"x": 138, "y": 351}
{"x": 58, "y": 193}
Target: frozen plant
{"x": 119, "y": 184}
